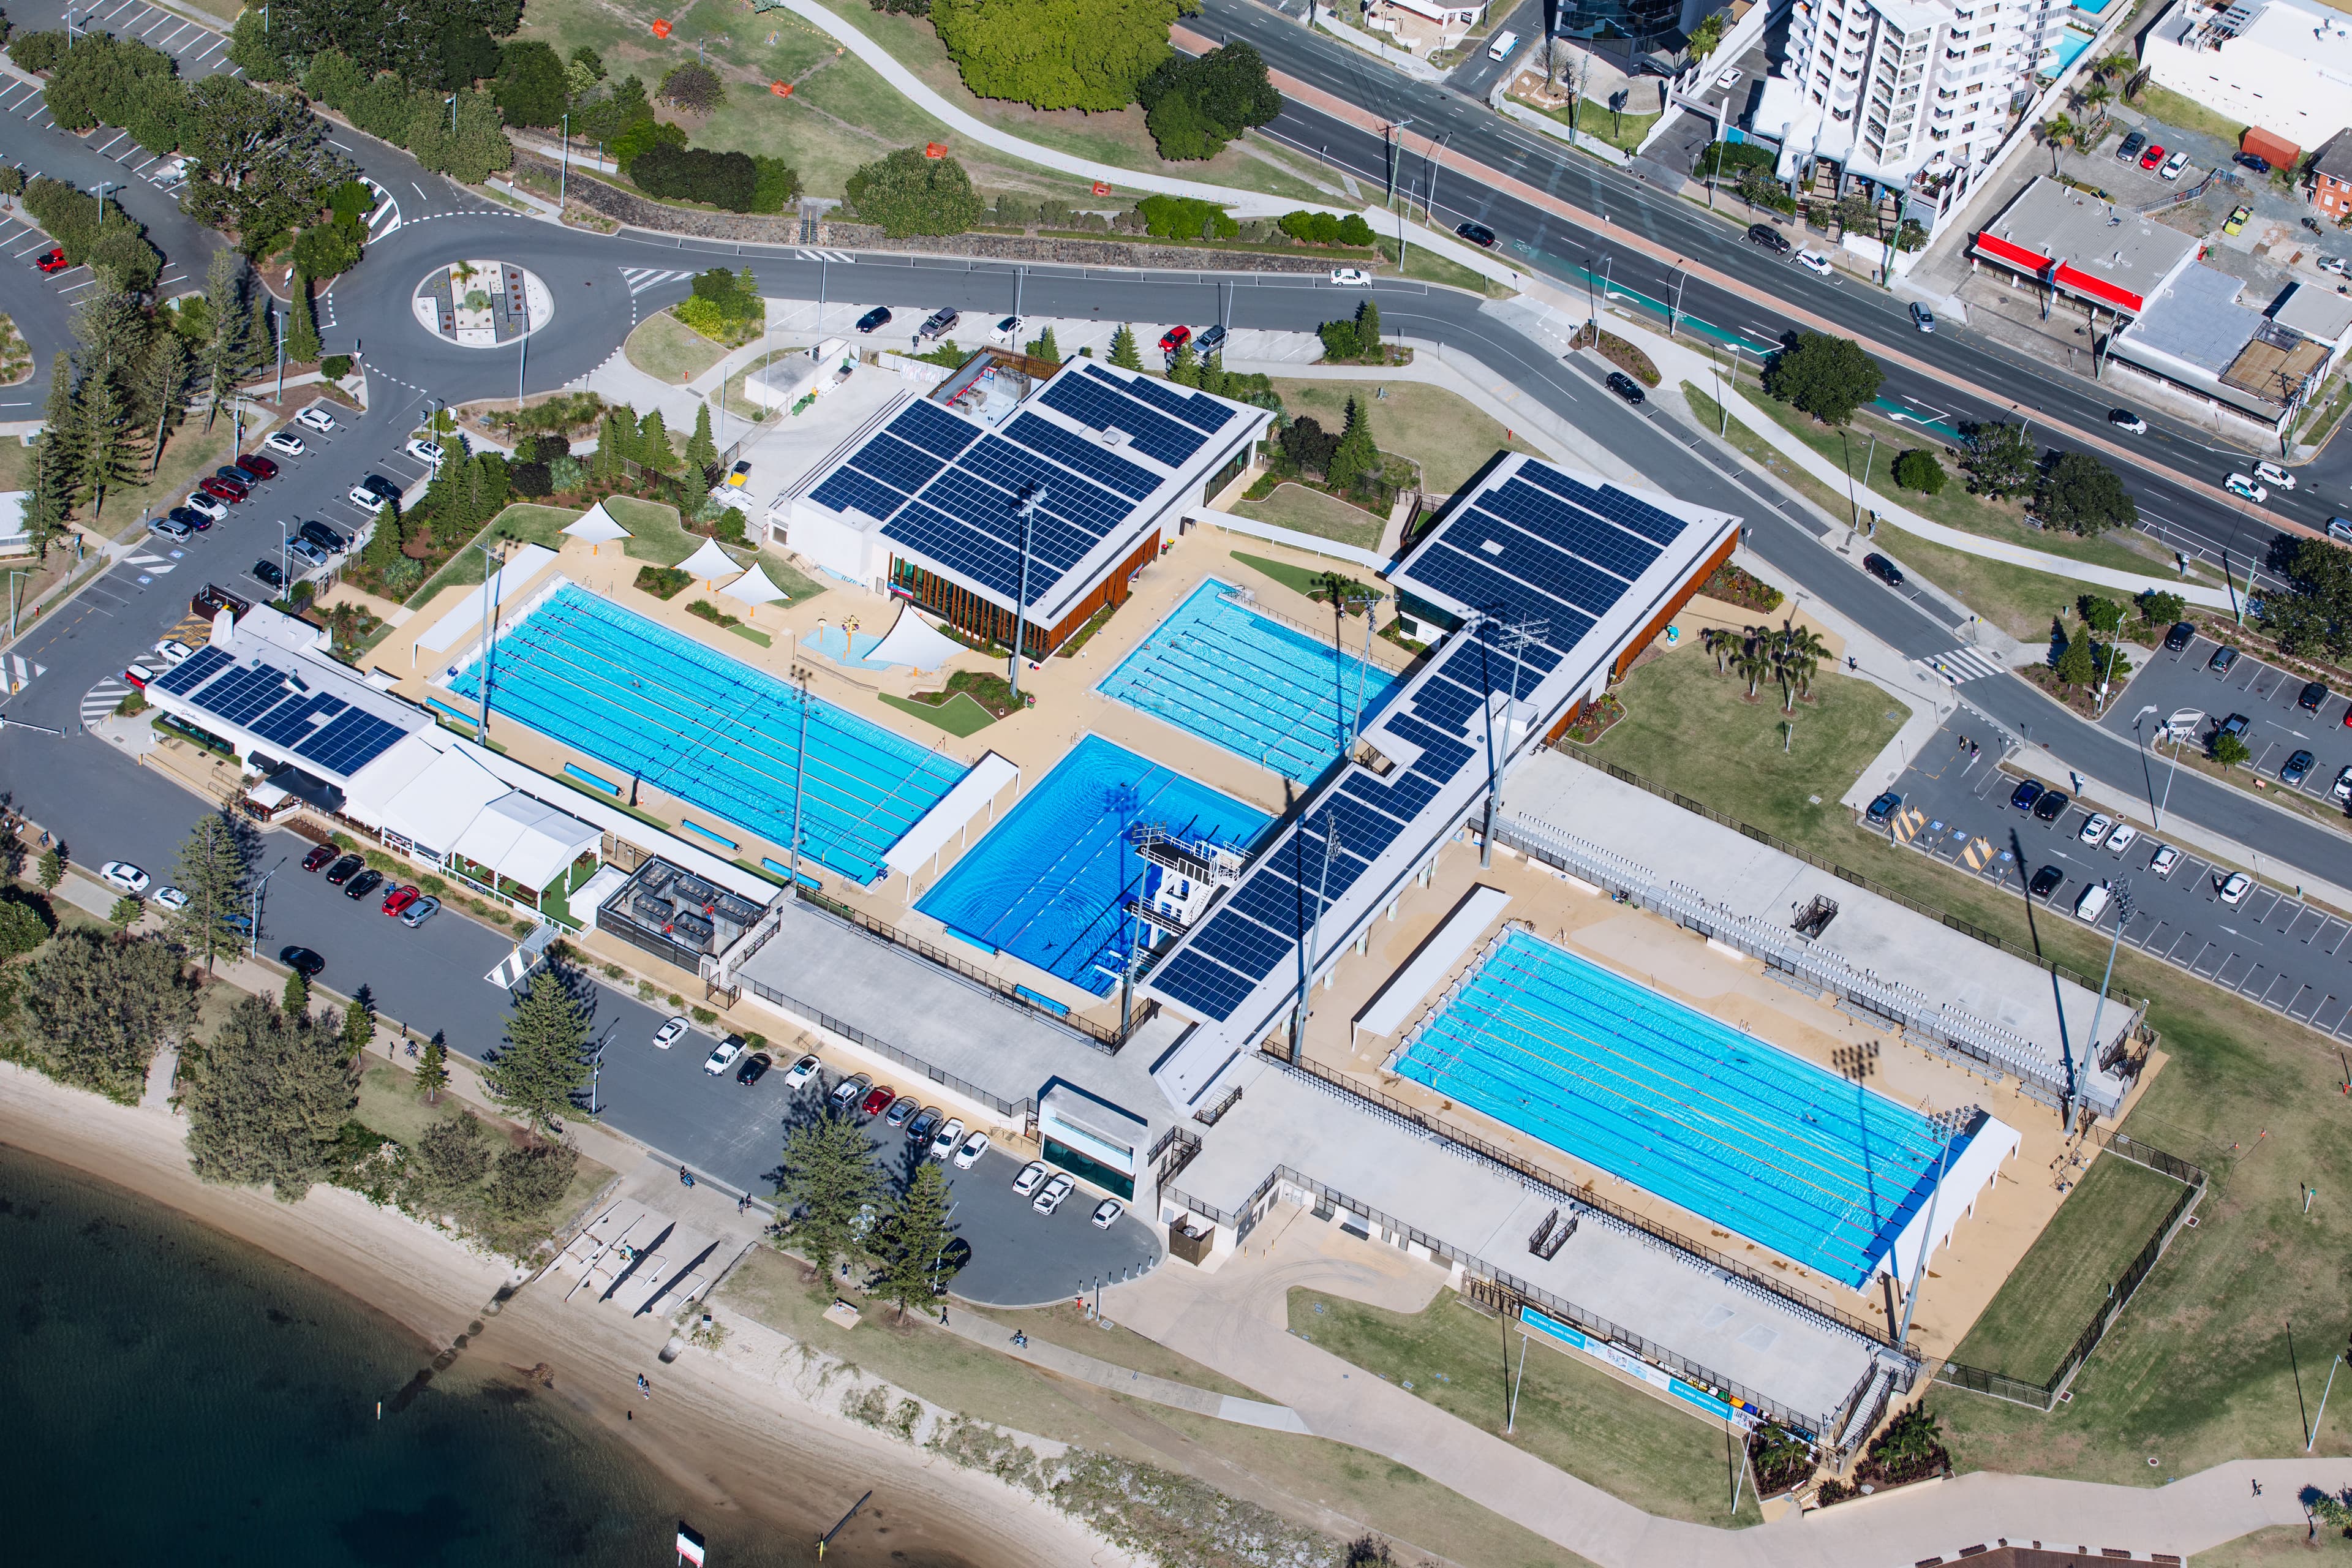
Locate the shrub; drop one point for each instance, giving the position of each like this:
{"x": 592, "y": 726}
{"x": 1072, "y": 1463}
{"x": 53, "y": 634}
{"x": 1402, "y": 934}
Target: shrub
{"x": 530, "y": 87}
{"x": 777, "y": 186}
{"x": 533, "y": 480}
{"x": 334, "y": 367}
{"x": 1186, "y": 218}
{"x": 1194, "y": 106}
{"x": 1917, "y": 469}
{"x": 728, "y": 180}
{"x": 106, "y": 238}
{"x": 662, "y": 582}
{"x": 1057, "y": 53}
{"x": 908, "y": 194}
{"x": 693, "y": 87}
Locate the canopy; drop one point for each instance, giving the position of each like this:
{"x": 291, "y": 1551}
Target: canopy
{"x": 433, "y": 805}
{"x": 709, "y": 561}
{"x": 595, "y": 526}
{"x": 914, "y": 641}
{"x": 526, "y": 839}
{"x": 753, "y": 588}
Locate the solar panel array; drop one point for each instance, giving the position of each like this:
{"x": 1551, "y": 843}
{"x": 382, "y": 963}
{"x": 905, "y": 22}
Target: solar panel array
{"x": 198, "y": 667}
{"x": 1099, "y": 406}
{"x": 271, "y": 705}
{"x": 1203, "y": 414}
{"x": 1553, "y": 552}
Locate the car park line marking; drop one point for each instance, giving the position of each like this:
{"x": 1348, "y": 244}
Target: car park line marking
{"x": 102, "y": 699}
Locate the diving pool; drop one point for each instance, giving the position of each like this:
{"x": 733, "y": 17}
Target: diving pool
{"x": 1250, "y": 684}
{"x": 1047, "y": 883}
{"x": 707, "y": 730}
{"x": 1739, "y": 1132}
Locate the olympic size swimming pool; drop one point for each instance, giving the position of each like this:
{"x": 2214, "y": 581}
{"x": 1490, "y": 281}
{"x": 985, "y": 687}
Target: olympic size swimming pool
{"x": 1742, "y": 1135}
{"x": 1048, "y": 883}
{"x": 708, "y": 730}
{"x": 1257, "y": 688}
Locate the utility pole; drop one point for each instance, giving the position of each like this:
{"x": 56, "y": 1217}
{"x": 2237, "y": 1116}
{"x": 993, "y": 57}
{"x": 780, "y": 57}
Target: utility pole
{"x": 489, "y": 549}
{"x": 563, "y": 171}
{"x": 1307, "y": 954}
{"x": 800, "y": 674}
{"x": 1027, "y": 511}
{"x": 1674, "y": 308}
{"x": 253, "y": 915}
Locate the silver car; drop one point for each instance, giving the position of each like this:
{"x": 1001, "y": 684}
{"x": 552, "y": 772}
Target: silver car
{"x": 1055, "y": 1191}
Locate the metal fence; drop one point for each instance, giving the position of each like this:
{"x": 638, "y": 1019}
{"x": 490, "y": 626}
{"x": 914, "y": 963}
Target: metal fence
{"x": 1007, "y": 1107}
{"x": 2045, "y": 1395}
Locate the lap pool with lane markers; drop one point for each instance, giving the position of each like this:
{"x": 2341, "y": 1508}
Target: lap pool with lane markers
{"x": 1048, "y": 883}
{"x": 1257, "y": 688}
{"x": 707, "y": 730}
{"x": 1765, "y": 1145}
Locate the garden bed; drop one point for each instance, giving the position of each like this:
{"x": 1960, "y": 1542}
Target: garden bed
{"x": 1625, "y": 355}
{"x": 1732, "y": 585}
{"x": 663, "y": 582}
{"x": 702, "y": 607}
{"x": 1597, "y": 720}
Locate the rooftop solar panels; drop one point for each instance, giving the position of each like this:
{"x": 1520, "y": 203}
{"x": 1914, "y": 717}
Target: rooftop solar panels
{"x": 1205, "y": 414}
{"x": 1100, "y": 407}
{"x": 278, "y": 709}
{"x": 933, "y": 428}
{"x": 192, "y": 671}
{"x": 1627, "y": 511}
{"x": 846, "y": 489}
{"x": 1130, "y": 480}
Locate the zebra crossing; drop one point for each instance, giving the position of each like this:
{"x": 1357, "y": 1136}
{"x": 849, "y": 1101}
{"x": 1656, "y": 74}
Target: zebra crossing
{"x": 840, "y": 256}
{"x": 151, "y": 565}
{"x": 102, "y": 699}
{"x": 1962, "y": 665}
{"x": 640, "y": 278}
{"x": 23, "y": 671}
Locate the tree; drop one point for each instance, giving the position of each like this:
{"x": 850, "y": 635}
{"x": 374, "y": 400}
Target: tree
{"x": 1827, "y": 377}
{"x": 451, "y": 1156}
{"x": 100, "y": 80}
{"x": 227, "y": 351}
{"x": 1184, "y": 366}
{"x": 1194, "y": 106}
{"x": 215, "y": 859}
{"x": 908, "y": 194}
{"x": 25, "y": 925}
{"x": 1998, "y": 458}
{"x": 1355, "y": 458}
{"x": 263, "y": 166}
{"x": 2077, "y": 665}
{"x": 1917, "y": 469}
{"x": 582, "y": 71}
{"x": 2228, "y": 750}
{"x": 829, "y": 1187}
{"x": 382, "y": 549}
{"x": 545, "y": 1062}
{"x": 652, "y": 445}
{"x": 254, "y": 49}
{"x": 2100, "y": 614}
{"x": 1796, "y": 655}
{"x": 915, "y": 1240}
{"x": 728, "y": 180}
{"x": 101, "y": 1007}
{"x": 2313, "y": 615}
{"x": 404, "y": 39}
{"x": 432, "y": 1070}
{"x": 266, "y": 1100}
{"x": 109, "y": 440}
{"x": 1043, "y": 347}
{"x": 1124, "y": 353}
{"x": 531, "y": 89}
{"x": 359, "y": 1023}
{"x": 1057, "y": 53}
{"x": 1368, "y": 327}
{"x": 53, "y": 868}
{"x": 2159, "y": 608}
{"x": 127, "y": 911}
{"x": 464, "y": 53}
{"x": 471, "y": 151}
{"x": 693, "y": 88}
{"x": 701, "y": 452}
{"x": 2058, "y": 128}
{"x": 531, "y": 1178}
{"x": 296, "y": 997}
{"x": 303, "y": 345}
{"x": 2083, "y": 495}
{"x": 161, "y": 391}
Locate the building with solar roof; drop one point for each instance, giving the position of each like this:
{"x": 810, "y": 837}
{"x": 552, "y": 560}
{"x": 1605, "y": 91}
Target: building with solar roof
{"x": 1017, "y": 491}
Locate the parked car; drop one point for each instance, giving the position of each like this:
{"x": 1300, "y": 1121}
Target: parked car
{"x": 2236, "y": 724}
{"x": 754, "y": 1068}
{"x": 365, "y": 499}
{"x": 2234, "y": 887}
{"x": 207, "y": 505}
{"x": 308, "y": 553}
{"x": 2182, "y": 633}
{"x": 325, "y": 537}
{"x": 301, "y": 960}
{"x": 1009, "y": 331}
{"x": 197, "y": 521}
{"x": 918, "y": 1130}
{"x": 1814, "y": 262}
{"x": 877, "y": 1099}
{"x": 798, "y": 1075}
{"x": 258, "y": 466}
{"x": 2237, "y": 219}
{"x": 970, "y": 1154}
{"x": 2092, "y": 904}
{"x": 2130, "y": 148}
{"x": 1770, "y": 238}
{"x": 269, "y": 574}
{"x": 1047, "y": 1201}
{"x": 2311, "y": 696}
{"x": 221, "y": 489}
{"x": 1885, "y": 571}
{"x": 285, "y": 443}
{"x": 944, "y": 1141}
{"x": 2342, "y": 790}
{"x": 361, "y": 886}
{"x": 1210, "y": 341}
{"x": 170, "y": 527}
{"x": 52, "y": 260}
{"x": 1351, "y": 278}
{"x": 2253, "y": 160}
{"x": 316, "y": 416}
{"x": 2122, "y": 839}
{"x": 396, "y": 901}
{"x": 344, "y": 869}
{"x": 2173, "y": 165}
{"x": 425, "y": 452}
{"x": 420, "y": 911}
{"x": 2297, "y": 768}
{"x": 2223, "y": 657}
{"x": 2335, "y": 263}
{"x": 2271, "y": 474}
{"x": 170, "y": 899}
{"x": 318, "y": 856}
{"x": 1730, "y": 78}
{"x": 739, "y": 475}
{"x": 1106, "y": 1212}
{"x": 1029, "y": 1178}
{"x": 2153, "y": 157}
{"x": 1626, "y": 387}
{"x": 123, "y": 875}
{"x": 2052, "y": 805}
{"x": 2166, "y": 857}
{"x": 847, "y": 1092}
{"x": 2096, "y": 827}
{"x": 722, "y": 1055}
{"x": 1885, "y": 806}
{"x": 1922, "y": 318}
{"x": 231, "y": 478}
{"x": 1475, "y": 233}
{"x": 939, "y": 323}
{"x": 2023, "y": 796}
{"x": 874, "y": 319}
{"x": 2125, "y": 419}
{"x": 1175, "y": 338}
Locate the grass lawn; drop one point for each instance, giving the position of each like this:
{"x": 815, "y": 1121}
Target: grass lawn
{"x": 1623, "y": 131}
{"x": 959, "y": 715}
{"x": 1443, "y": 432}
{"x": 1573, "y": 1417}
{"x": 1426, "y": 265}
{"x": 191, "y": 453}
{"x": 1306, "y": 580}
{"x": 2044, "y": 1304}
{"x": 523, "y": 520}
{"x": 668, "y": 348}
{"x": 1294, "y": 1474}
{"x": 1312, "y": 511}
{"x": 2186, "y": 114}
{"x": 1695, "y": 731}
{"x": 656, "y": 535}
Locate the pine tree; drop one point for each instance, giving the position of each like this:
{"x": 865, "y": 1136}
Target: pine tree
{"x": 432, "y": 1070}
{"x": 296, "y": 999}
{"x": 543, "y": 1063}
{"x": 57, "y": 452}
{"x": 1368, "y": 327}
{"x": 1185, "y": 368}
{"x": 53, "y": 868}
{"x": 1123, "y": 351}
{"x": 2076, "y": 664}
{"x": 262, "y": 334}
{"x": 358, "y": 1024}
{"x": 1044, "y": 347}
{"x": 266, "y": 1100}
{"x": 383, "y": 543}
{"x": 701, "y": 452}
{"x": 1211, "y": 379}
{"x": 163, "y": 384}
{"x": 302, "y": 344}
{"x": 652, "y": 448}
{"x": 111, "y": 454}
{"x": 829, "y": 1180}
{"x": 914, "y": 1261}
{"x": 212, "y": 870}
{"x": 227, "y": 350}
{"x": 1356, "y": 456}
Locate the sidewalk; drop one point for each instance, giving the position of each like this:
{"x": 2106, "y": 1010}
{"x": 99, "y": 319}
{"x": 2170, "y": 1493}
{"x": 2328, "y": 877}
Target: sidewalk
{"x": 995, "y": 1336}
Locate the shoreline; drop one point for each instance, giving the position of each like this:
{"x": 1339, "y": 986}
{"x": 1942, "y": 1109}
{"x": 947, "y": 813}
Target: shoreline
{"x": 758, "y": 1461}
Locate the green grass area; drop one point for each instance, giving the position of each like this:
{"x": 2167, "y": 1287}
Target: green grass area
{"x": 524, "y": 521}
{"x": 1307, "y": 579}
{"x": 1440, "y": 430}
{"x": 656, "y": 535}
{"x": 1298, "y": 1477}
{"x": 191, "y": 453}
{"x": 1623, "y": 131}
{"x": 1426, "y": 265}
{"x": 959, "y": 715}
{"x": 390, "y": 1104}
{"x": 2279, "y": 1544}
{"x": 2161, "y": 103}
{"x": 1572, "y": 1414}
{"x": 2050, "y": 1295}
{"x": 763, "y": 638}
{"x": 1312, "y": 511}
{"x": 1695, "y": 731}
{"x": 668, "y": 350}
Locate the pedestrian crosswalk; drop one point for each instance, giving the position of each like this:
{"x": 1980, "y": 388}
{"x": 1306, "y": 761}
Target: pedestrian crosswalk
{"x": 841, "y": 255}
{"x": 1962, "y": 664}
{"x": 102, "y": 699}
{"x": 23, "y": 671}
{"x": 640, "y": 278}
{"x": 154, "y": 566}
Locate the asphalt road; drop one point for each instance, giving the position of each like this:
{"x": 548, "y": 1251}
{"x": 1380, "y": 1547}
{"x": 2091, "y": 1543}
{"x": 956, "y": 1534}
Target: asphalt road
{"x": 2273, "y": 950}
{"x": 2269, "y": 697}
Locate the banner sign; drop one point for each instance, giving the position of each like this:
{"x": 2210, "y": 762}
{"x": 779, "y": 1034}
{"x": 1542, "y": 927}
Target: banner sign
{"x": 1634, "y": 1366}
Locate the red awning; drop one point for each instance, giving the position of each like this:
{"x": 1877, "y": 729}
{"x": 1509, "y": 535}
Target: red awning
{"x": 2071, "y": 278}
{"x": 2017, "y": 256}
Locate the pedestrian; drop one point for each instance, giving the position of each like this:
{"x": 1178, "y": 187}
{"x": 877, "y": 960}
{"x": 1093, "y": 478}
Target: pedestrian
{"x": 2258, "y": 1489}
{"x": 943, "y": 1317}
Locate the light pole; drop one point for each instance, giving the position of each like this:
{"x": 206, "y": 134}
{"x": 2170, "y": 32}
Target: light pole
{"x": 253, "y": 915}
{"x": 1429, "y": 201}
{"x": 563, "y": 178}
{"x": 1675, "y": 307}
{"x": 14, "y": 578}
{"x": 2171, "y": 775}
{"x": 800, "y": 674}
{"x": 489, "y": 549}
{"x": 1927, "y": 1244}
{"x": 1027, "y": 511}
{"x": 1314, "y": 932}
{"x": 2121, "y": 890}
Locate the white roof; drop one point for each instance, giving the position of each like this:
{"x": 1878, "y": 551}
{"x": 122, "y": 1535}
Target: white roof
{"x": 595, "y": 526}
{"x": 709, "y": 561}
{"x": 753, "y": 588}
{"x": 912, "y": 641}
{"x": 1387, "y": 1012}
{"x": 526, "y": 839}
{"x": 956, "y": 807}
{"x": 435, "y": 805}
{"x": 503, "y": 585}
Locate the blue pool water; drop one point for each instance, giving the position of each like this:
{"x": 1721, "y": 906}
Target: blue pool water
{"x": 709, "y": 729}
{"x": 1047, "y": 883}
{"x": 1740, "y": 1133}
{"x": 2070, "y": 45}
{"x": 1257, "y": 688}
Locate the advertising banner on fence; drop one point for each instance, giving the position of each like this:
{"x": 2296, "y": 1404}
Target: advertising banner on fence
{"x": 1634, "y": 1366}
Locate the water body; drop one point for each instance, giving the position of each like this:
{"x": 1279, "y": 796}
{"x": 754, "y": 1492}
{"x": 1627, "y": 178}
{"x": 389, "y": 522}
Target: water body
{"x": 172, "y": 1394}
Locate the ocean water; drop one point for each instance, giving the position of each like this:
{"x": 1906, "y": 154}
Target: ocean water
{"x": 173, "y": 1395}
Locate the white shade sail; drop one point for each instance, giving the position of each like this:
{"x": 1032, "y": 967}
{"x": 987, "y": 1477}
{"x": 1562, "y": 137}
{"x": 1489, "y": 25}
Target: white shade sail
{"x": 709, "y": 561}
{"x": 595, "y": 526}
{"x": 753, "y": 588}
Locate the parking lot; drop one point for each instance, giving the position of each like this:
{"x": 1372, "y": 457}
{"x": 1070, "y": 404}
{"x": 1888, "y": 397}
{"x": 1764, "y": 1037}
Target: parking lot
{"x": 2268, "y": 696}
{"x": 2271, "y": 947}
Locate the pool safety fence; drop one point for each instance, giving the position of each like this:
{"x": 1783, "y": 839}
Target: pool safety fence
{"x": 2045, "y": 1395}
{"x": 1011, "y": 1110}
{"x": 1649, "y": 1232}
{"x": 1245, "y": 598}
{"x": 1989, "y": 1048}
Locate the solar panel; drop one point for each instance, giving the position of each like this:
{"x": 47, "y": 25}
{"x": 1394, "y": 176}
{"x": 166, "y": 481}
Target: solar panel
{"x": 1203, "y": 413}
{"x": 1244, "y": 946}
{"x": 958, "y": 547}
{"x": 1088, "y": 506}
{"x": 1097, "y": 407}
{"x": 1447, "y": 703}
{"x": 1129, "y": 479}
{"x": 1537, "y": 559}
{"x": 1401, "y": 795}
{"x": 896, "y": 464}
{"x": 1199, "y": 984}
{"x": 846, "y": 490}
{"x": 1571, "y": 528}
{"x": 349, "y": 742}
{"x": 933, "y": 428}
{"x": 243, "y": 695}
{"x": 1272, "y": 900}
{"x": 292, "y": 720}
{"x": 1650, "y": 521}
{"x": 193, "y": 671}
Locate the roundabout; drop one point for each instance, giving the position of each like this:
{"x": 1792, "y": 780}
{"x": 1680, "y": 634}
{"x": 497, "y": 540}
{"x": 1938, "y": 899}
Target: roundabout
{"x": 480, "y": 304}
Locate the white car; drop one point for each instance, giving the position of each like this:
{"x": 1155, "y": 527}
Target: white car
{"x": 425, "y": 452}
{"x": 365, "y": 499}
{"x": 800, "y": 1071}
{"x": 284, "y": 444}
{"x": 207, "y": 506}
{"x": 123, "y": 874}
{"x": 1030, "y": 1175}
{"x": 944, "y": 1141}
{"x": 2173, "y": 165}
{"x": 970, "y": 1154}
{"x": 174, "y": 650}
{"x": 2239, "y": 485}
{"x": 2096, "y": 828}
{"x": 1351, "y": 278}
{"x": 2166, "y": 857}
{"x": 1106, "y": 1214}
{"x": 172, "y": 898}
{"x": 2236, "y": 886}
{"x": 669, "y": 1033}
{"x": 2336, "y": 265}
{"x": 170, "y": 169}
{"x": 316, "y": 417}
{"x": 2342, "y": 790}
{"x": 722, "y": 1055}
{"x": 1055, "y": 1191}
{"x": 1730, "y": 78}
{"x": 1009, "y": 331}
{"x": 1814, "y": 261}
{"x": 2271, "y": 474}
{"x": 2122, "y": 839}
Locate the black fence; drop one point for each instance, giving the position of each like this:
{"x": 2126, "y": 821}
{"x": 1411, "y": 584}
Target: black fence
{"x": 2045, "y": 1395}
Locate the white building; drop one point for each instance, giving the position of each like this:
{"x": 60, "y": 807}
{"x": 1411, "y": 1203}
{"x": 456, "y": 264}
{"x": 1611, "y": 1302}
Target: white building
{"x": 2283, "y": 66}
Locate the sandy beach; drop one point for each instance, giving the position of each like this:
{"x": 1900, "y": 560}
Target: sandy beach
{"x": 755, "y": 1461}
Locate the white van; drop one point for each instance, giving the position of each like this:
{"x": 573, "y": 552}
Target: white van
{"x": 2092, "y": 904}
{"x": 1505, "y": 42}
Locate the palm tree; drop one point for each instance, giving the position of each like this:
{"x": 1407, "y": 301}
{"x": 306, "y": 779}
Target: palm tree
{"x": 1754, "y": 657}
{"x": 1797, "y": 653}
{"x": 2055, "y": 129}
{"x": 2094, "y": 94}
{"x": 2120, "y": 63}
{"x": 1718, "y": 641}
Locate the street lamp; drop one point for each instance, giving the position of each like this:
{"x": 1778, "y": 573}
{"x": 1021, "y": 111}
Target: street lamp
{"x": 1026, "y": 510}
{"x": 2120, "y": 890}
{"x": 253, "y": 915}
{"x": 800, "y": 674}
{"x": 2173, "y": 772}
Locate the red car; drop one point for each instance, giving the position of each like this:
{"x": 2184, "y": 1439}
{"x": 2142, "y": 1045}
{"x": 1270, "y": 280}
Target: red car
{"x": 136, "y": 677}
{"x": 877, "y": 1099}
{"x": 222, "y": 489}
{"x": 54, "y": 261}
{"x": 1174, "y": 338}
{"x": 397, "y": 900}
{"x": 262, "y": 466}
{"x": 2151, "y": 158}
{"x": 318, "y": 856}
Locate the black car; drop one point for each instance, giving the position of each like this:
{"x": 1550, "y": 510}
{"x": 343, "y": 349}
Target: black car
{"x": 1885, "y": 806}
{"x": 1477, "y": 233}
{"x": 2130, "y": 149}
{"x": 318, "y": 856}
{"x": 754, "y": 1068}
{"x": 2298, "y": 768}
{"x": 1770, "y": 238}
{"x": 2046, "y": 882}
{"x": 1626, "y": 387}
{"x": 2182, "y": 633}
{"x": 269, "y": 574}
{"x": 239, "y": 471}
{"x": 381, "y": 486}
{"x": 2223, "y": 657}
{"x": 361, "y": 886}
{"x": 192, "y": 517}
{"x": 2312, "y": 696}
{"x": 2259, "y": 164}
{"x": 1885, "y": 571}
{"x": 344, "y": 869}
{"x": 2023, "y": 796}
{"x": 301, "y": 960}
{"x": 2052, "y": 805}
{"x": 873, "y": 319}
{"x": 325, "y": 537}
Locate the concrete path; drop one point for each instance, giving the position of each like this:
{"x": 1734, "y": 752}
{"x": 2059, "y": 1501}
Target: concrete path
{"x": 1070, "y": 1363}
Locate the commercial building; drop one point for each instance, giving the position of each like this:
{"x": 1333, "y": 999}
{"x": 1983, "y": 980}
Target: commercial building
{"x": 2110, "y": 258}
{"x": 2283, "y": 66}
{"x": 2202, "y": 336}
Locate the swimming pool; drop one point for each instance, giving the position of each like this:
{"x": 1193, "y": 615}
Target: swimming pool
{"x": 1742, "y": 1135}
{"x": 1248, "y": 683}
{"x": 1047, "y": 883}
{"x": 2068, "y": 49}
{"x": 708, "y": 730}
